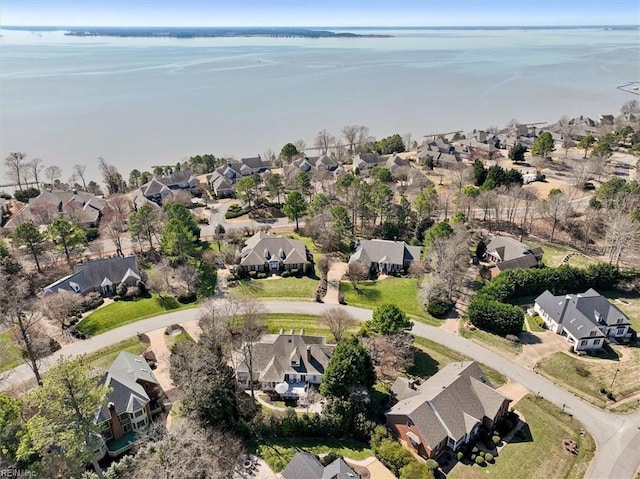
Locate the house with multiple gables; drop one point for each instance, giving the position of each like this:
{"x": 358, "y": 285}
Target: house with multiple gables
{"x": 293, "y": 361}
{"x": 586, "y": 319}
{"x": 83, "y": 209}
{"x": 385, "y": 256}
{"x": 321, "y": 167}
{"x": 504, "y": 253}
{"x": 158, "y": 188}
{"x": 222, "y": 181}
{"x": 267, "y": 253}
{"x": 135, "y": 397}
{"x": 307, "y": 466}
{"x": 364, "y": 162}
{"x": 101, "y": 275}
{"x": 445, "y": 411}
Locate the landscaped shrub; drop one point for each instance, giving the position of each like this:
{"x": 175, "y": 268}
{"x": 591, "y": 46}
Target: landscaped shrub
{"x": 481, "y": 453}
{"x": 475, "y": 450}
{"x": 603, "y": 391}
{"x": 329, "y": 458}
{"x": 460, "y": 456}
{"x": 610, "y": 396}
{"x": 480, "y": 460}
{"x": 186, "y": 298}
{"x": 92, "y": 233}
{"x": 496, "y": 439}
{"x": 439, "y": 307}
{"x": 473, "y": 457}
{"x": 253, "y": 274}
{"x": 285, "y": 274}
{"x": 295, "y": 271}
{"x": 121, "y": 289}
{"x": 432, "y": 464}
{"x": 489, "y": 458}
{"x": 261, "y": 275}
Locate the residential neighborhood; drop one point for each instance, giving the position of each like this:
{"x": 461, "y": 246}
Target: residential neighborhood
{"x": 350, "y": 312}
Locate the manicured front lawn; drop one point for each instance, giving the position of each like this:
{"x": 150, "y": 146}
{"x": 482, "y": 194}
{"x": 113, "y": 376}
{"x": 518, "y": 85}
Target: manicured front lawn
{"x": 310, "y": 323}
{"x": 124, "y": 312}
{"x": 587, "y": 377}
{"x": 276, "y": 287}
{"x": 278, "y": 452}
{"x": 173, "y": 339}
{"x": 431, "y": 357}
{"x": 403, "y": 292}
{"x": 533, "y": 326}
{"x": 10, "y": 355}
{"x": 540, "y": 453}
{"x": 104, "y": 357}
{"x": 492, "y": 340}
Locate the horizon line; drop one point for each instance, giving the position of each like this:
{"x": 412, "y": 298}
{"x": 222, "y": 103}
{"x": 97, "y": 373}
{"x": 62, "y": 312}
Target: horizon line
{"x": 594, "y": 25}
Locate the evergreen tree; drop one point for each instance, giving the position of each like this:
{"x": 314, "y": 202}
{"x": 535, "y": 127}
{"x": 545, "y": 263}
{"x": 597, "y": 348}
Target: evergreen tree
{"x": 350, "y": 370}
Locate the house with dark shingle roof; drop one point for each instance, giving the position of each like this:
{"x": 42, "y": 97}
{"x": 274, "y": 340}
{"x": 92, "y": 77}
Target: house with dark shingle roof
{"x": 445, "y": 411}
{"x": 272, "y": 254}
{"x": 307, "y": 466}
{"x": 101, "y": 275}
{"x": 385, "y": 256}
{"x": 507, "y": 253}
{"x": 586, "y": 319}
{"x": 135, "y": 397}
{"x": 158, "y": 188}
{"x": 294, "y": 360}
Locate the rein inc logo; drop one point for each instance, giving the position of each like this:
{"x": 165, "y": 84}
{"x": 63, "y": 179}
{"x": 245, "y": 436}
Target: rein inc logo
{"x": 15, "y": 473}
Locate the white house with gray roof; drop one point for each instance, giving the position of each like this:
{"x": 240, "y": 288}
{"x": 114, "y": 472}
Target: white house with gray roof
{"x": 102, "y": 275}
{"x": 445, "y": 411}
{"x": 385, "y": 256}
{"x": 586, "y": 319}
{"x": 272, "y": 254}
{"x": 135, "y": 397}
{"x": 294, "y": 360}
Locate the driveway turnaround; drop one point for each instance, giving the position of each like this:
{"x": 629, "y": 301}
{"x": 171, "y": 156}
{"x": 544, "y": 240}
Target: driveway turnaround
{"x": 617, "y": 436}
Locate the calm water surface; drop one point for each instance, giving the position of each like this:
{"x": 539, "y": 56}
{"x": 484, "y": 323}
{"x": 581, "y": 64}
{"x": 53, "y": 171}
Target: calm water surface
{"x": 140, "y": 102}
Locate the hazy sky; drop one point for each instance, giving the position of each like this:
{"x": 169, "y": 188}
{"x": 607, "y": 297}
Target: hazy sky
{"x": 318, "y": 12}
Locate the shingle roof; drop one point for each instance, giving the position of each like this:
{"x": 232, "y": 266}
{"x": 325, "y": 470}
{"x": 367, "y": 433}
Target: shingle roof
{"x": 93, "y": 273}
{"x": 264, "y": 247}
{"x": 127, "y": 394}
{"x": 273, "y": 354}
{"x": 581, "y": 314}
{"x": 507, "y": 248}
{"x": 307, "y": 466}
{"x": 450, "y": 403}
{"x": 394, "y": 252}
{"x": 338, "y": 469}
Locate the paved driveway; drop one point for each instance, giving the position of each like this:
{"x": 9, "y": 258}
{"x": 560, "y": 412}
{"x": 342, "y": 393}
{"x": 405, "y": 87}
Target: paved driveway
{"x": 617, "y": 436}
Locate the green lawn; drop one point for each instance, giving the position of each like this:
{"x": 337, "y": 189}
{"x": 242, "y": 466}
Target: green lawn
{"x": 533, "y": 326}
{"x": 493, "y": 340}
{"x": 294, "y": 289}
{"x": 10, "y": 354}
{"x": 124, "y": 312}
{"x": 309, "y": 322}
{"x": 587, "y": 377}
{"x": 104, "y": 357}
{"x": 311, "y": 246}
{"x": 431, "y": 357}
{"x": 173, "y": 339}
{"x": 402, "y": 292}
{"x": 278, "y": 452}
{"x": 540, "y": 452}
{"x": 553, "y": 255}
{"x": 628, "y": 303}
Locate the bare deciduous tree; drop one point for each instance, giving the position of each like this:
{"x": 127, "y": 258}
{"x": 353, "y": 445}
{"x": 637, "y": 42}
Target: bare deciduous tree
{"x": 622, "y": 236}
{"x": 448, "y": 259}
{"x": 35, "y": 167}
{"x": 350, "y": 133}
{"x": 60, "y": 307}
{"x": 114, "y": 229}
{"x": 323, "y": 141}
{"x": 555, "y": 208}
{"x": 52, "y": 173}
{"x": 392, "y": 354}
{"x": 159, "y": 280}
{"x": 79, "y": 171}
{"x": 339, "y": 321}
{"x": 357, "y": 272}
{"x": 16, "y": 168}
{"x": 251, "y": 328}
{"x": 110, "y": 175}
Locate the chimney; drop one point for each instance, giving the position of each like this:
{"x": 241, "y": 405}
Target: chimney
{"x": 308, "y": 353}
{"x": 116, "y": 425}
{"x": 302, "y": 332}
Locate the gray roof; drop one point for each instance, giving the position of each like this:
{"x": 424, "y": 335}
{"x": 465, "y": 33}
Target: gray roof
{"x": 307, "y": 466}
{"x": 583, "y": 313}
{"x": 274, "y": 354}
{"x": 178, "y": 178}
{"x": 323, "y": 162}
{"x": 124, "y": 378}
{"x": 256, "y": 162}
{"x": 154, "y": 188}
{"x": 92, "y": 274}
{"x": 385, "y": 251}
{"x": 512, "y": 254}
{"x": 450, "y": 403}
{"x": 264, "y": 247}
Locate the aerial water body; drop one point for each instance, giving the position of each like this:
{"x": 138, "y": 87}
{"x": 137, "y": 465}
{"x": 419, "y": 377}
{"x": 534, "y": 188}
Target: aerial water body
{"x": 139, "y": 102}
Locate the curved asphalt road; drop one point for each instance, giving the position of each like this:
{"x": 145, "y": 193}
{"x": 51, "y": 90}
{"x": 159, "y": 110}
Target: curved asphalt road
{"x": 617, "y": 436}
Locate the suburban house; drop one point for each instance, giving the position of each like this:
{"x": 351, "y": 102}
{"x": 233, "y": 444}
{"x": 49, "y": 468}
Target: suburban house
{"x": 221, "y": 186}
{"x": 586, "y": 319}
{"x": 268, "y": 253}
{"x": 158, "y": 188}
{"x": 287, "y": 364}
{"x": 445, "y": 411}
{"x": 101, "y": 275}
{"x": 307, "y": 466}
{"x": 507, "y": 253}
{"x": 222, "y": 181}
{"x": 365, "y": 161}
{"x": 135, "y": 397}
{"x": 84, "y": 209}
{"x": 385, "y": 256}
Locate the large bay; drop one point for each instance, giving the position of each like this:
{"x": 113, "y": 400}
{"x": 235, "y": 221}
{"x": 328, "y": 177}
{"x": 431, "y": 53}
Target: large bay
{"x": 146, "y": 101}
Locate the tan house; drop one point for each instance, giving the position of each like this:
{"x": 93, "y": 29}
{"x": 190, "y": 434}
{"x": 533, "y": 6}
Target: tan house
{"x": 273, "y": 254}
{"x": 385, "y": 256}
{"x": 286, "y": 364}
{"x": 446, "y": 411}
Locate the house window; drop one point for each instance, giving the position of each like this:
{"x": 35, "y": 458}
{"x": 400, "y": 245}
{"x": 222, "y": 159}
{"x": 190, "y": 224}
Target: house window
{"x": 583, "y": 342}
{"x": 126, "y": 428}
{"x": 596, "y": 342}
{"x": 138, "y": 413}
{"x": 141, "y": 424}
{"x": 620, "y": 331}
